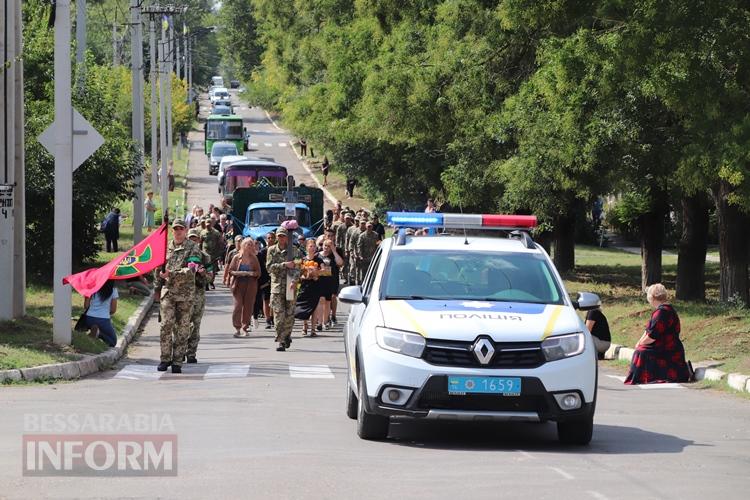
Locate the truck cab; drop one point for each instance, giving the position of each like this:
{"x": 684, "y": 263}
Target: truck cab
{"x": 262, "y": 218}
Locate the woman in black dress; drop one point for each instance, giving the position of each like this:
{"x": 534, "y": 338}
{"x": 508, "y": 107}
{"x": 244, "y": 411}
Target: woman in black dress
{"x": 329, "y": 281}
{"x": 309, "y": 292}
{"x": 659, "y": 354}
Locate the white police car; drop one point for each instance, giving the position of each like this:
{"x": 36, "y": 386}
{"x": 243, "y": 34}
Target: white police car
{"x": 468, "y": 328}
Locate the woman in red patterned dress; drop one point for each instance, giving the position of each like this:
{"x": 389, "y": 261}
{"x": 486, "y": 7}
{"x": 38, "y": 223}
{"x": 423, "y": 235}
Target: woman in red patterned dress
{"x": 659, "y": 354}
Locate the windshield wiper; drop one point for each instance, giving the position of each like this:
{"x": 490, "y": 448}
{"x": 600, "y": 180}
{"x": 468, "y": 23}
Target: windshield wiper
{"x": 410, "y": 297}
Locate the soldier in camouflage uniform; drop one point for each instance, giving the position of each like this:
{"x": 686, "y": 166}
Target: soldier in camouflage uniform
{"x": 212, "y": 245}
{"x": 340, "y": 242}
{"x": 367, "y": 243}
{"x": 175, "y": 289}
{"x": 351, "y": 251}
{"x": 284, "y": 273}
{"x": 199, "y": 303}
{"x": 357, "y": 258}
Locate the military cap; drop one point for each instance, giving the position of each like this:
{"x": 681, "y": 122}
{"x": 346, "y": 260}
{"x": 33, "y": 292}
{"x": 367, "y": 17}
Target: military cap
{"x": 179, "y": 223}
{"x": 194, "y": 232}
{"x": 348, "y": 215}
{"x": 370, "y": 223}
{"x": 282, "y": 232}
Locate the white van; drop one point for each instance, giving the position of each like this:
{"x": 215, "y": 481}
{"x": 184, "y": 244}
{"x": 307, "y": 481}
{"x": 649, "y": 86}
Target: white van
{"x": 217, "y": 81}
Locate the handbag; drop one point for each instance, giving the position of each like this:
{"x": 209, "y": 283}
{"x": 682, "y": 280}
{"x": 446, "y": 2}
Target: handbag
{"x": 81, "y": 325}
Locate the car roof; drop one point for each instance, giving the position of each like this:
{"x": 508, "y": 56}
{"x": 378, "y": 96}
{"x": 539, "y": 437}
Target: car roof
{"x": 231, "y": 158}
{"x": 457, "y": 242}
{"x": 257, "y": 162}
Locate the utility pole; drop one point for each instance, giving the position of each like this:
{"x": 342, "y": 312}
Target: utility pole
{"x": 115, "y": 55}
{"x": 170, "y": 68}
{"x": 162, "y": 122}
{"x": 154, "y": 113}
{"x": 63, "y": 212}
{"x": 136, "y": 60}
{"x": 80, "y": 43}
{"x": 177, "y": 58}
{"x": 7, "y": 156}
{"x": 19, "y": 210}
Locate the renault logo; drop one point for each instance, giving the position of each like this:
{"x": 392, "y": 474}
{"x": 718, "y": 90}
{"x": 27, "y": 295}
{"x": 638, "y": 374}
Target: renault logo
{"x": 483, "y": 350}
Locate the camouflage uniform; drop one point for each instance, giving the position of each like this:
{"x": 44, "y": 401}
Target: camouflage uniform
{"x": 199, "y": 304}
{"x": 367, "y": 243}
{"x": 212, "y": 245}
{"x": 351, "y": 240}
{"x": 176, "y": 298}
{"x": 340, "y": 242}
{"x": 283, "y": 309}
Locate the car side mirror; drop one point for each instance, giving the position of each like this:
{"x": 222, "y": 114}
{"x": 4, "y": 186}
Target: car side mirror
{"x": 351, "y": 295}
{"x": 587, "y": 301}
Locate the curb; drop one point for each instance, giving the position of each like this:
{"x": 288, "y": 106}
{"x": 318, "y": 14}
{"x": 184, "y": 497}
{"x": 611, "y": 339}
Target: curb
{"x": 704, "y": 370}
{"x": 89, "y": 364}
{"x": 328, "y": 194}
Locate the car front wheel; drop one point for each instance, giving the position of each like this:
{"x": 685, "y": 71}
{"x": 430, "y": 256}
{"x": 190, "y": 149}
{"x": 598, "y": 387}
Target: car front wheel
{"x": 352, "y": 406}
{"x": 369, "y": 425}
{"x": 578, "y": 431}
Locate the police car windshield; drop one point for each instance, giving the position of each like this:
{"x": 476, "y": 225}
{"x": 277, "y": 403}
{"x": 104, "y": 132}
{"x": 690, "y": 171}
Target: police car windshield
{"x": 460, "y": 275}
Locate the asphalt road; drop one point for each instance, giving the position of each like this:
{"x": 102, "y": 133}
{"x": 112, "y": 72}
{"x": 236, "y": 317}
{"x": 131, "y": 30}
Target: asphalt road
{"x": 254, "y": 423}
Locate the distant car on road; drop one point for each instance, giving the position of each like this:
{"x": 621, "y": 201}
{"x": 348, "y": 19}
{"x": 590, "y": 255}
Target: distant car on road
{"x": 219, "y": 93}
{"x": 235, "y": 84}
{"x": 219, "y": 150}
{"x": 221, "y": 109}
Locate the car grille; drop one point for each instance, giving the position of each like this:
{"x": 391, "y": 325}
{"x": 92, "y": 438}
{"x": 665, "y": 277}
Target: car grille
{"x": 507, "y": 354}
{"x": 435, "y": 396}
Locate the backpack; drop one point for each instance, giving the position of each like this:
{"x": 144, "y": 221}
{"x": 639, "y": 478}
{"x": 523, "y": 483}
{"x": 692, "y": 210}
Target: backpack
{"x": 103, "y": 225}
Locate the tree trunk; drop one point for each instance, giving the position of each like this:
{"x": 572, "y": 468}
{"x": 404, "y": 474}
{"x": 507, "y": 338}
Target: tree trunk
{"x": 652, "y": 242}
{"x": 691, "y": 259}
{"x": 733, "y": 247}
{"x": 564, "y": 243}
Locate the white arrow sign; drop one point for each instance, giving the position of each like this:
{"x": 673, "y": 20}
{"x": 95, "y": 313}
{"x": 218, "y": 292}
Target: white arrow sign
{"x": 86, "y": 139}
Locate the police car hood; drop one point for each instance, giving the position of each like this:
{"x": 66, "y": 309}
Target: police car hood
{"x": 466, "y": 319}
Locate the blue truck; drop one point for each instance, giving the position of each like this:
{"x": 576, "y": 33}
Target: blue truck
{"x": 260, "y": 209}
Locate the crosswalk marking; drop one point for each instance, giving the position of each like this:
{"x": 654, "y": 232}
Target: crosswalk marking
{"x": 224, "y": 371}
{"x": 139, "y": 372}
{"x": 227, "y": 371}
{"x": 310, "y": 371}
{"x": 282, "y": 144}
{"x": 669, "y": 385}
{"x": 253, "y": 144}
{"x": 267, "y": 144}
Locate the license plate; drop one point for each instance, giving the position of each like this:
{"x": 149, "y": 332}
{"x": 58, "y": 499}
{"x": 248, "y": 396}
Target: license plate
{"x": 506, "y": 386}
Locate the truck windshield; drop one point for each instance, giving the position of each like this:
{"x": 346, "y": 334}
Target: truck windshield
{"x": 273, "y": 216}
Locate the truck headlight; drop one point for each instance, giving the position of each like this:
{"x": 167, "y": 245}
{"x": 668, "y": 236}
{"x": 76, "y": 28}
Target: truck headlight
{"x": 409, "y": 344}
{"x": 563, "y": 346}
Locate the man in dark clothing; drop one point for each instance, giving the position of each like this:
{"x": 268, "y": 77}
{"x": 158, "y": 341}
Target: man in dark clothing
{"x": 597, "y": 324}
{"x": 111, "y": 229}
{"x": 378, "y": 227}
{"x": 351, "y": 182}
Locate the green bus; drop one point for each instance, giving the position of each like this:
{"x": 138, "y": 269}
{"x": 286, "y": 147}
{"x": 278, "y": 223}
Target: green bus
{"x": 224, "y": 128}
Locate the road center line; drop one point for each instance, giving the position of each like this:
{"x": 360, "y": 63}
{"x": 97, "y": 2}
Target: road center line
{"x": 562, "y": 473}
{"x": 597, "y": 495}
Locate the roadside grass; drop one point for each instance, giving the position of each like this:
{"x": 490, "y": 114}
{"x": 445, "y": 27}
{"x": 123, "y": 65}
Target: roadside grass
{"x": 710, "y": 330}
{"x": 336, "y": 183}
{"x": 28, "y": 341}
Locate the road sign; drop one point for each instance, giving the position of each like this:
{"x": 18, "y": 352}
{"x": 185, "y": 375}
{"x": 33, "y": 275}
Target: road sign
{"x": 86, "y": 140}
{"x": 290, "y": 210}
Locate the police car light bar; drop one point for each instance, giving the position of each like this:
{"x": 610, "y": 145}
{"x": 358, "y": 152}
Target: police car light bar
{"x": 468, "y": 221}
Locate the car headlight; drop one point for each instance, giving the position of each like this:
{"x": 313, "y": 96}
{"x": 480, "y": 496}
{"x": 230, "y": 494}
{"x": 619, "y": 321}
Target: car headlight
{"x": 563, "y": 346}
{"x": 409, "y": 344}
